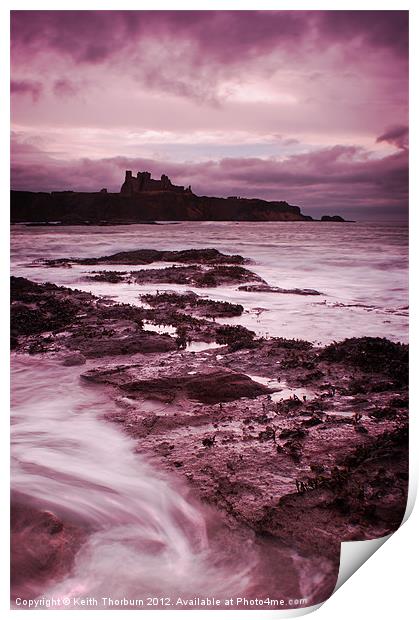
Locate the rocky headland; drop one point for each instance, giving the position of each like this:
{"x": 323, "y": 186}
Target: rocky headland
{"x": 145, "y": 200}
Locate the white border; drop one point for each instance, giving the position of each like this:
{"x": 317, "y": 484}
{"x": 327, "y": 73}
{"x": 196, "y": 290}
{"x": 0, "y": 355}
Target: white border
{"x": 385, "y": 587}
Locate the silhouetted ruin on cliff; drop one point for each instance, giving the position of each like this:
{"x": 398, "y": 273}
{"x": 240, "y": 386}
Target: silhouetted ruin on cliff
{"x": 143, "y": 199}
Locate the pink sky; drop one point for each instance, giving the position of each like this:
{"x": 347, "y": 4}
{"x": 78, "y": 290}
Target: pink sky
{"x": 308, "y": 107}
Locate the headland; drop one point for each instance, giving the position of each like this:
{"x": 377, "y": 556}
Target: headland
{"x": 144, "y": 199}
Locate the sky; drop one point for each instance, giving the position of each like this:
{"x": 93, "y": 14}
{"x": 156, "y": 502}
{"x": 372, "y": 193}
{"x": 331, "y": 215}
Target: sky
{"x": 310, "y": 107}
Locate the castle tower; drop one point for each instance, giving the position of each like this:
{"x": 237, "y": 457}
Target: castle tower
{"x": 128, "y": 184}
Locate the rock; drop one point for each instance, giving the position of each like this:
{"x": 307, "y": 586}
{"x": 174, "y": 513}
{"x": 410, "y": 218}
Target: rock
{"x": 236, "y": 336}
{"x": 267, "y": 434}
{"x": 209, "y": 256}
{"x": 54, "y": 312}
{"x": 196, "y": 275}
{"x": 43, "y": 548}
{"x": 384, "y": 413}
{"x": 313, "y": 421}
{"x": 84, "y": 323}
{"x": 142, "y": 342}
{"x": 164, "y": 448}
{"x": 298, "y": 433}
{"x": 113, "y": 277}
{"x": 337, "y": 509}
{"x": 361, "y": 429}
{"x": 332, "y": 218}
{"x": 263, "y": 449}
{"x": 209, "y": 385}
{"x": 192, "y": 303}
{"x": 74, "y": 359}
{"x": 377, "y": 355}
{"x": 265, "y": 288}
{"x": 208, "y": 442}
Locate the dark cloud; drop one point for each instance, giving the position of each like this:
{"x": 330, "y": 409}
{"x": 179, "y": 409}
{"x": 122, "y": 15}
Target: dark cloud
{"x": 185, "y": 53}
{"x": 399, "y": 136}
{"x": 89, "y": 36}
{"x": 26, "y": 87}
{"x": 94, "y": 36}
{"x": 379, "y": 29}
{"x": 218, "y": 36}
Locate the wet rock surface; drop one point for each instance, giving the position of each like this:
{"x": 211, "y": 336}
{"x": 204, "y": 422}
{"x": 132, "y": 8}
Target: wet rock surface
{"x": 364, "y": 497}
{"x": 196, "y": 275}
{"x": 306, "y": 446}
{"x": 191, "y": 275}
{"x": 378, "y": 354}
{"x": 73, "y": 359}
{"x": 147, "y": 256}
{"x": 308, "y": 463}
{"x": 113, "y": 277}
{"x": 206, "y": 267}
{"x": 43, "y": 548}
{"x": 208, "y": 385}
{"x": 265, "y": 288}
{"x": 192, "y": 303}
{"x": 57, "y": 319}
{"x": 49, "y": 318}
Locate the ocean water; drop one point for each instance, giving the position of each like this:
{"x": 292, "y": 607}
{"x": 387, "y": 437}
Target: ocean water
{"x": 149, "y": 538}
{"x": 360, "y": 270}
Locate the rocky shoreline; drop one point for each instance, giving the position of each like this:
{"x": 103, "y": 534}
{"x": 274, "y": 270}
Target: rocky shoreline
{"x": 303, "y": 446}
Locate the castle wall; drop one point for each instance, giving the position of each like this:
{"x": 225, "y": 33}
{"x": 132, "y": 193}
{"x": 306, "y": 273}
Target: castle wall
{"x": 144, "y": 183}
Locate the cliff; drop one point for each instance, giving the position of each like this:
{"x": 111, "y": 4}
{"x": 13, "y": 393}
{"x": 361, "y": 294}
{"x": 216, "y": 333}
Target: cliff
{"x": 103, "y": 207}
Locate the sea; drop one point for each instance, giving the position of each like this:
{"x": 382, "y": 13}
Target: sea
{"x": 149, "y": 539}
{"x": 361, "y": 270}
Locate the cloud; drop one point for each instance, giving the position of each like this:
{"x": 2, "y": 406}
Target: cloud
{"x": 94, "y": 36}
{"x": 399, "y": 136}
{"x": 226, "y": 36}
{"x": 64, "y": 88}
{"x": 338, "y": 179}
{"x": 375, "y": 29}
{"x": 184, "y": 53}
{"x": 26, "y": 87}
{"x": 190, "y": 54}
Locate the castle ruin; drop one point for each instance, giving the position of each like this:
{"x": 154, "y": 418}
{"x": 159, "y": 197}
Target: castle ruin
{"x": 144, "y": 183}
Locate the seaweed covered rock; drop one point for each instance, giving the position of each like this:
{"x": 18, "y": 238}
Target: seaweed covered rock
{"x": 36, "y": 308}
{"x": 236, "y": 336}
{"x": 375, "y": 355}
{"x": 83, "y": 323}
{"x": 291, "y": 343}
{"x": 147, "y": 256}
{"x": 113, "y": 277}
{"x": 192, "y": 303}
{"x": 197, "y": 275}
